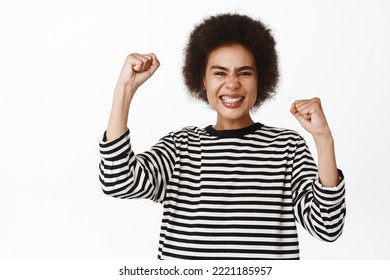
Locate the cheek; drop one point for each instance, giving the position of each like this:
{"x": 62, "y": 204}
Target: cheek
{"x": 251, "y": 89}
{"x": 212, "y": 89}
{"x": 211, "y": 97}
{"x": 213, "y": 85}
{"x": 252, "y": 96}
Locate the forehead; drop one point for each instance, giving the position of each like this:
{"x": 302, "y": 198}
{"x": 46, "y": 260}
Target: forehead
{"x": 231, "y": 55}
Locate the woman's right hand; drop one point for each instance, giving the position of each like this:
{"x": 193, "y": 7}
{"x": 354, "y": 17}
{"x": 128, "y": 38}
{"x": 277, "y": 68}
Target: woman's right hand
{"x": 136, "y": 70}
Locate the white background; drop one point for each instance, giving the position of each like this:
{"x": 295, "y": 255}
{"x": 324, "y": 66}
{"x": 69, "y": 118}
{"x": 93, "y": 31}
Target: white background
{"x": 59, "y": 61}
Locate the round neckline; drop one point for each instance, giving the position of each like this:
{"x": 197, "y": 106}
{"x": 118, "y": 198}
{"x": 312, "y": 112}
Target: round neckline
{"x": 233, "y": 133}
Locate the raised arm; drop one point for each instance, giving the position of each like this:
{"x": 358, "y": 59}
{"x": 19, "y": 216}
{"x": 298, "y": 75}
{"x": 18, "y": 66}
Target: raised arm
{"x": 311, "y": 116}
{"x": 135, "y": 71}
{"x": 124, "y": 174}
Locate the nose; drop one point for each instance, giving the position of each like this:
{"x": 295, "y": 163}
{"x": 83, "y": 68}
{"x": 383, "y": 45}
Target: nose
{"x": 232, "y": 83}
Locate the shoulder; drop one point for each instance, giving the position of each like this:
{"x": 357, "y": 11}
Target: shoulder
{"x": 279, "y": 131}
{"x": 187, "y": 132}
{"x": 187, "y": 129}
{"x": 281, "y": 138}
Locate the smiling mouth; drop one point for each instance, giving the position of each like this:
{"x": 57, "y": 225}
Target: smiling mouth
{"x": 231, "y": 100}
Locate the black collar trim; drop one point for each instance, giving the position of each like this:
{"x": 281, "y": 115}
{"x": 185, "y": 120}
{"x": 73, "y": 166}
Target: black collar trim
{"x": 233, "y": 133}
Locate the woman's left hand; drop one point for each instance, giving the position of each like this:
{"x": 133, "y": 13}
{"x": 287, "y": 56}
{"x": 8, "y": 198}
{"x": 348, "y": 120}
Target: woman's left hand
{"x": 311, "y": 116}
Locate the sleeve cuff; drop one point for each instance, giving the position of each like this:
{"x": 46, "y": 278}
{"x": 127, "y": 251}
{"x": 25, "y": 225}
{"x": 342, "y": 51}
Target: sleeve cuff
{"x": 330, "y": 196}
{"x": 115, "y": 148}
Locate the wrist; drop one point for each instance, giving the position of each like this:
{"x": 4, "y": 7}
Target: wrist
{"x": 325, "y": 138}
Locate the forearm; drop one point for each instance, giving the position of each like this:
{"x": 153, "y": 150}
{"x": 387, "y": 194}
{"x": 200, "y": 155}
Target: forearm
{"x": 117, "y": 123}
{"x": 327, "y": 167}
{"x": 136, "y": 70}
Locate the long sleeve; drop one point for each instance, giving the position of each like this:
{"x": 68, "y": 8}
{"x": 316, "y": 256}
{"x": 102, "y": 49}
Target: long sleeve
{"x": 126, "y": 175}
{"x": 320, "y": 210}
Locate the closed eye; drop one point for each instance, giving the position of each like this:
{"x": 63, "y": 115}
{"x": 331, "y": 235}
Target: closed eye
{"x": 219, "y": 73}
{"x": 245, "y": 73}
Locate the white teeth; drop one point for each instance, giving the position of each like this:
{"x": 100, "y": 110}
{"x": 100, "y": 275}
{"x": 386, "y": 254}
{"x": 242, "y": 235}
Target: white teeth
{"x": 231, "y": 100}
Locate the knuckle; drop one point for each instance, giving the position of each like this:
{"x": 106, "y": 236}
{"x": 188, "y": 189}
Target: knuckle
{"x": 317, "y": 100}
{"x": 132, "y": 55}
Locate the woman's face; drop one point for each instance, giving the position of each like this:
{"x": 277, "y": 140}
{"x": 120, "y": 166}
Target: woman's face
{"x": 231, "y": 84}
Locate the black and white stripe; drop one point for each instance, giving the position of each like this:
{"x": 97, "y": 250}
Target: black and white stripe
{"x": 227, "y": 194}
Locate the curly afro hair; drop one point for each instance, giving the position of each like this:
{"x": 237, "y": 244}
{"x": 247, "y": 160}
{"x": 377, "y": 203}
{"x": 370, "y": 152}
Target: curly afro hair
{"x": 227, "y": 29}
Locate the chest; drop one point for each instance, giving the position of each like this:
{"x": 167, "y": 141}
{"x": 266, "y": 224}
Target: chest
{"x": 234, "y": 173}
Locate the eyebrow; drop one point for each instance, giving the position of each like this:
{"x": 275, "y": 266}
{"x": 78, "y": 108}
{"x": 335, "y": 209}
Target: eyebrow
{"x": 238, "y": 69}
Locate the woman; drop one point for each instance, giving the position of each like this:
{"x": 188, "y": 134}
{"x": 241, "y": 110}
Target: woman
{"x": 232, "y": 190}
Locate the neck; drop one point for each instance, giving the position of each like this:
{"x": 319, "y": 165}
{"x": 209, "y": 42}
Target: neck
{"x": 230, "y": 124}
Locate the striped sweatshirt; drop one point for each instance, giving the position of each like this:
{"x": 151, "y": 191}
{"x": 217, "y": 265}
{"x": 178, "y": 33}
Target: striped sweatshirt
{"x": 232, "y": 194}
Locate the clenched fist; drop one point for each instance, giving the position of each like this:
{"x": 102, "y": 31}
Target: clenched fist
{"x": 136, "y": 70}
{"x": 311, "y": 116}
